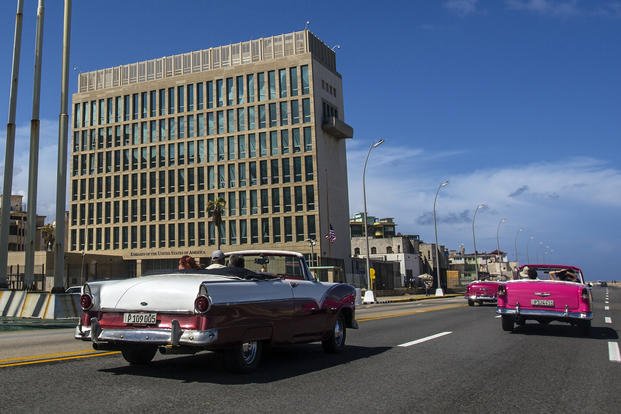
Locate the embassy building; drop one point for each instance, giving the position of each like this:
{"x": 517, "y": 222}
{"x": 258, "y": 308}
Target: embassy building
{"x": 259, "y": 124}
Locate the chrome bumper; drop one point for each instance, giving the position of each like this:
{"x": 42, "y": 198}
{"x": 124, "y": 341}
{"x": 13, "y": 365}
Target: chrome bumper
{"x": 545, "y": 313}
{"x": 488, "y": 298}
{"x": 174, "y": 336}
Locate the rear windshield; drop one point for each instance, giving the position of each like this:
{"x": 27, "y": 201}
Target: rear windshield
{"x": 567, "y": 275}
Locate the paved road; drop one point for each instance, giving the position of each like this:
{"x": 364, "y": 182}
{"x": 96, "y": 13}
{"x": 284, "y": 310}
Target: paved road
{"x": 437, "y": 357}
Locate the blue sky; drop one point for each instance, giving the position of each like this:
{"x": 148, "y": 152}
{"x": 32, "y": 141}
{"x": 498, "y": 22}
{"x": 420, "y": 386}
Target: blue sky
{"x": 515, "y": 102}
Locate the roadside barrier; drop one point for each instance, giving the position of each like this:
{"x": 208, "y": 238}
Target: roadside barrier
{"x": 42, "y": 305}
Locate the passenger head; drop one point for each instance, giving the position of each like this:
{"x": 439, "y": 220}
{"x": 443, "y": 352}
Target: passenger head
{"x": 236, "y": 261}
{"x": 184, "y": 262}
{"x": 217, "y": 257}
{"x": 532, "y": 273}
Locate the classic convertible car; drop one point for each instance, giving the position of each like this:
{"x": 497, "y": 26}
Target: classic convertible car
{"x": 480, "y": 291}
{"x": 273, "y": 299}
{"x": 546, "y": 293}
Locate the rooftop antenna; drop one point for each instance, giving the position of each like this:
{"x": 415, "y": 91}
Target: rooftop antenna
{"x": 307, "y": 25}
{"x": 335, "y": 47}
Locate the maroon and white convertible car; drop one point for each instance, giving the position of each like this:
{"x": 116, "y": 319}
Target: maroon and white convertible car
{"x": 546, "y": 293}
{"x": 273, "y": 299}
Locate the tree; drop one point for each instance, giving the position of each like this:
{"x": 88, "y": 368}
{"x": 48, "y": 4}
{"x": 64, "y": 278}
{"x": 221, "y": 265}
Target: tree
{"x": 215, "y": 210}
{"x": 48, "y": 231}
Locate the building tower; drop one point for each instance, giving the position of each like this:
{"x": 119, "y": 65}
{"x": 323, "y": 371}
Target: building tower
{"x": 257, "y": 123}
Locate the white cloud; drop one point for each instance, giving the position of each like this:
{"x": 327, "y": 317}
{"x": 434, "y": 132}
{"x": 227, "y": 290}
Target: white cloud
{"x": 462, "y": 7}
{"x": 47, "y": 176}
{"x": 555, "y": 8}
{"x": 558, "y": 202}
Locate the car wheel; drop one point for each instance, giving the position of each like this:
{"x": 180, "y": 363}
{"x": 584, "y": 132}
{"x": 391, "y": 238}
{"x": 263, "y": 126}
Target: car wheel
{"x": 139, "y": 354}
{"x": 245, "y": 357}
{"x": 585, "y": 327}
{"x": 507, "y": 323}
{"x": 470, "y": 302}
{"x": 335, "y": 342}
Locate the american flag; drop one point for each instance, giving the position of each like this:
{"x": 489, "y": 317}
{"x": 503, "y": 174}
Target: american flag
{"x": 331, "y": 236}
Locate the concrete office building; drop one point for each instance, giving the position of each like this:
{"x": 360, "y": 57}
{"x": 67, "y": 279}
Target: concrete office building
{"x": 257, "y": 123}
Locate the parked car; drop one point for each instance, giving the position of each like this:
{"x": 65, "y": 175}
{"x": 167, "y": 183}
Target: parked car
{"x": 481, "y": 291}
{"x": 74, "y": 290}
{"x": 552, "y": 293}
{"x": 273, "y": 299}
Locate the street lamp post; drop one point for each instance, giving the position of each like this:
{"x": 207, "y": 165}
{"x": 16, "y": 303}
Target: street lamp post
{"x": 503, "y": 220}
{"x": 82, "y": 268}
{"x": 517, "y": 233}
{"x": 527, "y": 255}
{"x": 368, "y": 296}
{"x": 439, "y": 291}
{"x": 474, "y": 239}
{"x": 312, "y": 243}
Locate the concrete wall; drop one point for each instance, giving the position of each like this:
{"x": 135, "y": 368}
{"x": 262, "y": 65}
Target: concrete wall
{"x": 42, "y": 305}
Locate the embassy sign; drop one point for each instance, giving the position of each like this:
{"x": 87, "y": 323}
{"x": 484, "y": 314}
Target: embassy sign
{"x": 165, "y": 254}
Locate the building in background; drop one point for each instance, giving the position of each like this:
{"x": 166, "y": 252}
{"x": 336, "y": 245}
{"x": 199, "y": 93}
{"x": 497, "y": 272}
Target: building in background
{"x": 258, "y": 124}
{"x": 18, "y": 224}
{"x": 386, "y": 246}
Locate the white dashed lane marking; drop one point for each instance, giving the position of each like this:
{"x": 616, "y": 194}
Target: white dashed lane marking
{"x": 608, "y": 319}
{"x": 428, "y": 338}
{"x": 613, "y": 352}
{"x": 606, "y": 307}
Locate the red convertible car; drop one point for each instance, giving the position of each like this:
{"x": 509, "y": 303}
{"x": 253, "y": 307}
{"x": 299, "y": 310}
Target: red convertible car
{"x": 546, "y": 293}
{"x": 272, "y": 299}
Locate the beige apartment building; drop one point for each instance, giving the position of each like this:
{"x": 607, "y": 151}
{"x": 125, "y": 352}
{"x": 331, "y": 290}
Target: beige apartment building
{"x": 259, "y": 124}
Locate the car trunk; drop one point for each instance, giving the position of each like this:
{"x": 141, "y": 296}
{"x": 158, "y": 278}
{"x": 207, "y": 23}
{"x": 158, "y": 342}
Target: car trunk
{"x": 546, "y": 295}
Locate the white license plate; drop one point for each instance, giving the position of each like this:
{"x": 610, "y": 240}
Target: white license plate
{"x": 140, "y": 318}
{"x": 542, "y": 302}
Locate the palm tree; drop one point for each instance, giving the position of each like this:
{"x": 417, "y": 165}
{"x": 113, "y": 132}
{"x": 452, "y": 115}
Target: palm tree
{"x": 215, "y": 209}
{"x": 48, "y": 232}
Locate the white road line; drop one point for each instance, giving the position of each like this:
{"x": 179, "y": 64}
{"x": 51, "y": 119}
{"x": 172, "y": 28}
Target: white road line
{"x": 498, "y": 316}
{"x": 608, "y": 319}
{"x": 606, "y": 307}
{"x": 613, "y": 352}
{"x": 428, "y": 338}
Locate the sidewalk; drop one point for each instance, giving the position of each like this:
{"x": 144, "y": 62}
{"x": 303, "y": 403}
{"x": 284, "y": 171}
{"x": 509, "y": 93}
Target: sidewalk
{"x": 412, "y": 298}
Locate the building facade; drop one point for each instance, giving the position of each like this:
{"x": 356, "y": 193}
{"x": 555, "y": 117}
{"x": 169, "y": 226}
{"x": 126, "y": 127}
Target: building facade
{"x": 17, "y": 226}
{"x": 386, "y": 246}
{"x": 259, "y": 124}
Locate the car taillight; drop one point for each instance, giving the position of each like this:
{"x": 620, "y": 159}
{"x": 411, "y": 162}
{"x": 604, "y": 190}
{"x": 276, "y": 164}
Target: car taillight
{"x": 502, "y": 290}
{"x": 202, "y": 304}
{"x": 86, "y": 302}
{"x": 586, "y": 295}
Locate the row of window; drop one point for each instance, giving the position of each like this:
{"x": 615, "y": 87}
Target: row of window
{"x": 190, "y": 179}
{"x": 190, "y": 126}
{"x": 195, "y": 234}
{"x": 231, "y": 148}
{"x": 194, "y": 97}
{"x": 239, "y": 203}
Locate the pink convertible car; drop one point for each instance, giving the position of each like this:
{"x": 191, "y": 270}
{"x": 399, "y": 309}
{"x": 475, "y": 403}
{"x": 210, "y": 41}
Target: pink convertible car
{"x": 546, "y": 293}
{"x": 480, "y": 291}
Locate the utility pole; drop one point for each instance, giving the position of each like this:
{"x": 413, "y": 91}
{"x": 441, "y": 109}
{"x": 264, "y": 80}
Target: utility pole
{"x": 10, "y": 149}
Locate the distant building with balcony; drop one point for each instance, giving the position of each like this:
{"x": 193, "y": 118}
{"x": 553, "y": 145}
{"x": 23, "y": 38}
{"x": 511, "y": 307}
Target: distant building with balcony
{"x": 386, "y": 246}
{"x": 492, "y": 265}
{"x": 18, "y": 222}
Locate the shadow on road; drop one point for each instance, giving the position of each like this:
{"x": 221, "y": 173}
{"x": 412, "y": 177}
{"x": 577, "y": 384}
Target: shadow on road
{"x": 565, "y": 330}
{"x": 279, "y": 363}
